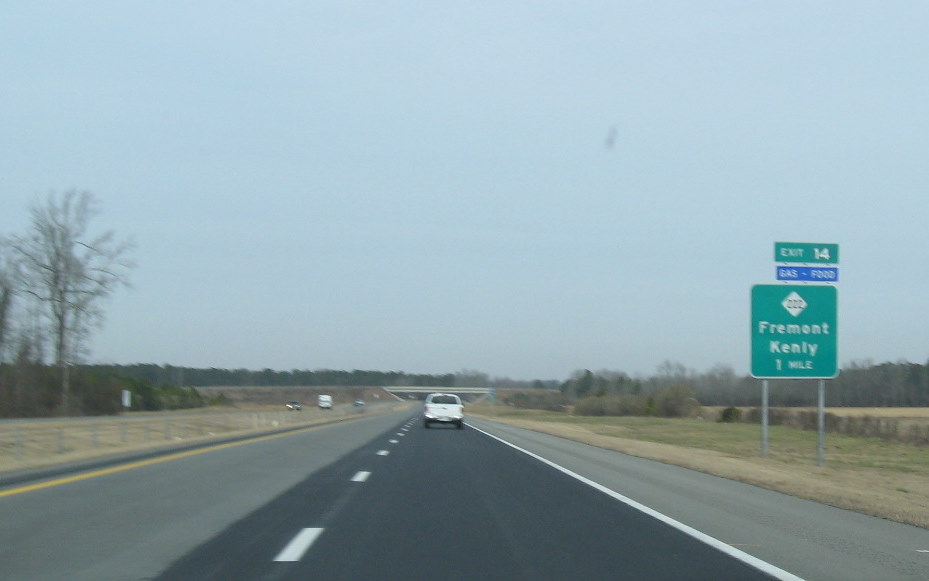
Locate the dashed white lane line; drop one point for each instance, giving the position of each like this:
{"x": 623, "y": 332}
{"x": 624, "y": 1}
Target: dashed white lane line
{"x": 394, "y": 441}
{"x": 401, "y": 434}
{"x": 382, "y": 452}
{"x": 361, "y": 476}
{"x": 298, "y": 545}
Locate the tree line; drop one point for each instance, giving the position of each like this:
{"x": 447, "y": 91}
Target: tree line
{"x": 208, "y": 377}
{"x": 33, "y": 390}
{"x": 859, "y": 384}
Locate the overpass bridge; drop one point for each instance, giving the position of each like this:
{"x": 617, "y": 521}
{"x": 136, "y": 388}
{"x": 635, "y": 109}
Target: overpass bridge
{"x": 420, "y": 392}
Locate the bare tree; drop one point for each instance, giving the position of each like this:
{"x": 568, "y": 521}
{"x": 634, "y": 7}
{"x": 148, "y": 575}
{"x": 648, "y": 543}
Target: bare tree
{"x": 8, "y": 276}
{"x": 672, "y": 373}
{"x": 69, "y": 271}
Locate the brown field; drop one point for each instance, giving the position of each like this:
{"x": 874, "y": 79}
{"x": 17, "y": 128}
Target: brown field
{"x": 899, "y": 413}
{"x": 38, "y": 443}
{"x": 881, "y": 412}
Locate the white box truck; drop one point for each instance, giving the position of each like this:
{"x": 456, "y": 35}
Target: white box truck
{"x": 325, "y": 402}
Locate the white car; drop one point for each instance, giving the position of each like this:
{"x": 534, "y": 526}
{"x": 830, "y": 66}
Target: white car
{"x": 443, "y": 408}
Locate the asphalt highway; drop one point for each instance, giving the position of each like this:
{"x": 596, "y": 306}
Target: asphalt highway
{"x": 383, "y": 498}
{"x": 452, "y": 504}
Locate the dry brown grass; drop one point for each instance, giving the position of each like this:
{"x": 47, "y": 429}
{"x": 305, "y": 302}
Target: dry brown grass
{"x": 34, "y": 444}
{"x": 895, "y": 413}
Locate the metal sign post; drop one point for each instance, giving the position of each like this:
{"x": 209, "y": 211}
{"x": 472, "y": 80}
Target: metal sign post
{"x": 764, "y": 417}
{"x": 821, "y": 424}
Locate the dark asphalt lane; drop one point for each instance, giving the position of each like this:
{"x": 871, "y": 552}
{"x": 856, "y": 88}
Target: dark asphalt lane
{"x": 452, "y": 504}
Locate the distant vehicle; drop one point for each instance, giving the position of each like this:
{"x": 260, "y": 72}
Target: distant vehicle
{"x": 324, "y": 402}
{"x": 358, "y": 403}
{"x": 294, "y": 405}
{"x": 443, "y": 408}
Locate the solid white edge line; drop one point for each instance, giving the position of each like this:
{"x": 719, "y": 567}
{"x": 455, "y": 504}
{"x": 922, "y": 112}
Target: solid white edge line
{"x": 298, "y": 545}
{"x": 755, "y": 562}
{"x": 361, "y": 476}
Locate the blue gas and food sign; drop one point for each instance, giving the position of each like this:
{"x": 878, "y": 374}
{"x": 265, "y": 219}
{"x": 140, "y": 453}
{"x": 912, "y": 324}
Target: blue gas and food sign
{"x": 825, "y": 274}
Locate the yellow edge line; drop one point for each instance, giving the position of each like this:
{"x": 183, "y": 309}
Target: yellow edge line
{"x": 158, "y": 460}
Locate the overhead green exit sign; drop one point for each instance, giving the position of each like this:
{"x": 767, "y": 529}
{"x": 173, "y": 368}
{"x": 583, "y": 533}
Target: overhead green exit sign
{"x": 806, "y": 252}
{"x": 794, "y": 331}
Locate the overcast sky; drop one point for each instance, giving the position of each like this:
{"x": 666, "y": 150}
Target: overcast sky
{"x": 520, "y": 188}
